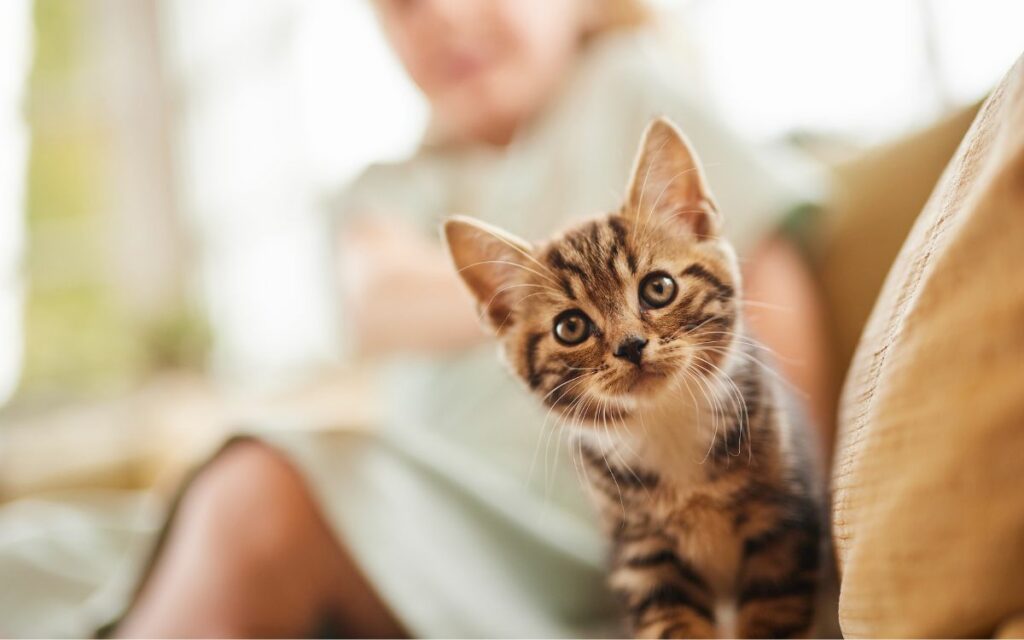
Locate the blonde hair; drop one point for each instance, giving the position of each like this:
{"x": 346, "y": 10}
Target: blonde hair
{"x": 616, "y": 15}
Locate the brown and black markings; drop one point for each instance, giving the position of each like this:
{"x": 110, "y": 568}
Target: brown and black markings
{"x": 630, "y": 328}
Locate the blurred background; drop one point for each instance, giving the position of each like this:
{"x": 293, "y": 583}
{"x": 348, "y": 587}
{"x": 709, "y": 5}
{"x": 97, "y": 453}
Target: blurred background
{"x": 165, "y": 169}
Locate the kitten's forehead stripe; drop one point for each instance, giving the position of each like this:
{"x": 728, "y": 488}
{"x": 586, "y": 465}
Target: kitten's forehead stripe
{"x": 567, "y": 288}
{"x": 559, "y": 262}
{"x": 598, "y": 245}
{"x": 556, "y": 260}
{"x": 533, "y": 376}
{"x": 700, "y": 271}
{"x": 620, "y": 231}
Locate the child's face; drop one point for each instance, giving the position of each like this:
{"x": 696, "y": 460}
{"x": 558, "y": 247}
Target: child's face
{"x": 484, "y": 65}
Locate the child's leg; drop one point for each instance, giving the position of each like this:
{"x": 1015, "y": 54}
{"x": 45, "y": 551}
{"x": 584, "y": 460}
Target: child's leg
{"x": 248, "y": 554}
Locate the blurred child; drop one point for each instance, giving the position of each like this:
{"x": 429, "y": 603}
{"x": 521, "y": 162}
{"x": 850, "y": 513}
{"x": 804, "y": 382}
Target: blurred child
{"x": 460, "y": 515}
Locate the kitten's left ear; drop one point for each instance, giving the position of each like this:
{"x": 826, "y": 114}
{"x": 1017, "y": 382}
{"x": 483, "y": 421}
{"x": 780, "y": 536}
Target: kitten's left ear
{"x": 668, "y": 183}
{"x": 491, "y": 262}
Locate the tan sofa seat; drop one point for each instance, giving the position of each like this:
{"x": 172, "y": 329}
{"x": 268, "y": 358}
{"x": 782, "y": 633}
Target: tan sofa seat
{"x": 928, "y": 509}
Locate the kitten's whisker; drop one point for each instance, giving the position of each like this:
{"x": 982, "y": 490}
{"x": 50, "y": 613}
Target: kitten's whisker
{"x": 741, "y": 409}
{"x": 744, "y": 415}
{"x": 683, "y": 381}
{"x": 486, "y": 309}
{"x": 643, "y": 187}
{"x": 750, "y": 342}
{"x": 675, "y": 334}
{"x": 578, "y": 378}
{"x": 513, "y": 264}
{"x": 519, "y": 286}
{"x": 709, "y": 403}
{"x": 545, "y": 436}
{"x": 561, "y": 418}
{"x": 665, "y": 223}
{"x": 572, "y": 407}
{"x": 765, "y": 305}
{"x": 544, "y": 425}
{"x": 578, "y": 463}
{"x": 632, "y": 453}
{"x": 657, "y": 200}
{"x": 519, "y": 250}
{"x": 743, "y": 338}
{"x": 611, "y": 474}
{"x": 766, "y": 368}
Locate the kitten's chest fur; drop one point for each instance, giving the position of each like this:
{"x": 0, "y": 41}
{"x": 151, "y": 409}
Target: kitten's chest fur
{"x": 692, "y": 486}
{"x": 695, "y": 453}
{"x": 687, "y": 476}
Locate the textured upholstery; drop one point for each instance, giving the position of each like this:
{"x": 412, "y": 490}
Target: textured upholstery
{"x": 928, "y": 508}
{"x": 876, "y": 197}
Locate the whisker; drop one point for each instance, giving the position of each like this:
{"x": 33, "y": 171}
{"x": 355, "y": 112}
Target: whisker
{"x": 511, "y": 263}
{"x": 632, "y": 453}
{"x": 737, "y": 399}
{"x": 519, "y": 250}
{"x": 766, "y": 368}
{"x": 611, "y": 474}
{"x": 544, "y": 425}
{"x": 765, "y": 305}
{"x": 486, "y": 309}
{"x": 647, "y": 174}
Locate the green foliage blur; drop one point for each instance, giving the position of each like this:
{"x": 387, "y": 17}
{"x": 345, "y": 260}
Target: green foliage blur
{"x": 81, "y": 340}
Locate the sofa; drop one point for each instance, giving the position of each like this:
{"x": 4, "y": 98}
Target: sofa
{"x": 927, "y": 512}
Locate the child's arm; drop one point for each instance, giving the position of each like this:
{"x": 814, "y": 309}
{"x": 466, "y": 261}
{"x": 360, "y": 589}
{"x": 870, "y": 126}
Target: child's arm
{"x": 399, "y": 293}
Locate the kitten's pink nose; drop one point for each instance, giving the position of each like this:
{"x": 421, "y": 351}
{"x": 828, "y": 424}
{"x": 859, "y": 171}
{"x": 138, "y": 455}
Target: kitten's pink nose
{"x": 631, "y": 349}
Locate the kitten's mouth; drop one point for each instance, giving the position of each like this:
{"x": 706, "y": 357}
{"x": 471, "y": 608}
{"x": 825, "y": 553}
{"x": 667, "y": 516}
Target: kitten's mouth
{"x": 642, "y": 381}
{"x": 646, "y": 380}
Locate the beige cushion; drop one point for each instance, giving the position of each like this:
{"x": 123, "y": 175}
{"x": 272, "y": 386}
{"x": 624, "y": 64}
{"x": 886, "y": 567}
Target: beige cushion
{"x": 875, "y": 200}
{"x": 928, "y": 498}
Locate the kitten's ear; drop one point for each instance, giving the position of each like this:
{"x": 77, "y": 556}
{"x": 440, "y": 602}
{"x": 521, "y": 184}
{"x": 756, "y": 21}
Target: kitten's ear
{"x": 668, "y": 183}
{"x": 489, "y": 261}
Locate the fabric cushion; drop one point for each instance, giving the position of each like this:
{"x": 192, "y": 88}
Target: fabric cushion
{"x": 876, "y": 197}
{"x": 928, "y": 511}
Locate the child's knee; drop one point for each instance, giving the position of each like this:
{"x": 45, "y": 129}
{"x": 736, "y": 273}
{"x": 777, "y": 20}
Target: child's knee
{"x": 251, "y": 497}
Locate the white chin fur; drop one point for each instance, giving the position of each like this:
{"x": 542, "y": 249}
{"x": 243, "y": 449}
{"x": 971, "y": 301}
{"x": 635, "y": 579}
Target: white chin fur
{"x": 603, "y": 440}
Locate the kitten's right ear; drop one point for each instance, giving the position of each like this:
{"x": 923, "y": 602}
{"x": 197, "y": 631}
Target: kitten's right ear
{"x": 668, "y": 183}
{"x": 490, "y": 262}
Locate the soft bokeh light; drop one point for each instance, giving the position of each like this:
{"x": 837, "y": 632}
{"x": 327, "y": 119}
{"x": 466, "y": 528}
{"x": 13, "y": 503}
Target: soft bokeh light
{"x": 15, "y": 50}
{"x": 271, "y": 106}
{"x": 861, "y": 69}
{"x": 280, "y": 109}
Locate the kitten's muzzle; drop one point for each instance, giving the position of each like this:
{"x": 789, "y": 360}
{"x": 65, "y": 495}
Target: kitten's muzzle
{"x": 632, "y": 349}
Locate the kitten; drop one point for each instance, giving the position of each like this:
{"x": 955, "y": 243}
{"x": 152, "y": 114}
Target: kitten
{"x": 630, "y": 326}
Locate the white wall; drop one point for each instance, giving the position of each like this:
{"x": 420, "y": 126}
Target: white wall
{"x": 282, "y": 102}
{"x": 15, "y": 49}
{"x": 859, "y": 67}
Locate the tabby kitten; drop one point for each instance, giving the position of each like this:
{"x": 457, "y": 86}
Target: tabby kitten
{"x": 629, "y": 326}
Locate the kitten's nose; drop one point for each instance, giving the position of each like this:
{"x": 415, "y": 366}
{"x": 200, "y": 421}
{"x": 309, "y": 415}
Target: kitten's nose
{"x": 631, "y": 349}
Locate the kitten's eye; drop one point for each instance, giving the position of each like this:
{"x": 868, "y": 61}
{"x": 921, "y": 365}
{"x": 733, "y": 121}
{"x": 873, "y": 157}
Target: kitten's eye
{"x": 657, "y": 289}
{"x": 572, "y": 327}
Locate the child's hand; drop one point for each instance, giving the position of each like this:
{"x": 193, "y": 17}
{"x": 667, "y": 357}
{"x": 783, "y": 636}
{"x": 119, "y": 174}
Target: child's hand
{"x": 399, "y": 292}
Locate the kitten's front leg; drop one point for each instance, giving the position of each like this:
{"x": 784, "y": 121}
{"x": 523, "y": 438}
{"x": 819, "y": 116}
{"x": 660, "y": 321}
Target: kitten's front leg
{"x": 779, "y": 582}
{"x": 663, "y": 595}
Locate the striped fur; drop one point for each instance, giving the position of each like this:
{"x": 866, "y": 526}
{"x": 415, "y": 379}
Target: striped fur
{"x": 698, "y": 474}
